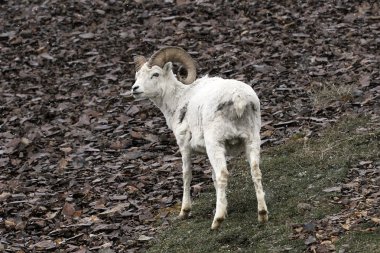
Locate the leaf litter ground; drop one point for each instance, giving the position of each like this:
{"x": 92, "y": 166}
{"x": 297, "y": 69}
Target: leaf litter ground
{"x": 84, "y": 168}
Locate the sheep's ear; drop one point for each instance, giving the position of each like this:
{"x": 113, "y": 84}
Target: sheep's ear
{"x": 168, "y": 67}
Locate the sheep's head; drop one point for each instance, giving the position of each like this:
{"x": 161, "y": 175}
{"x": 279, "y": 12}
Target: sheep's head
{"x": 150, "y": 74}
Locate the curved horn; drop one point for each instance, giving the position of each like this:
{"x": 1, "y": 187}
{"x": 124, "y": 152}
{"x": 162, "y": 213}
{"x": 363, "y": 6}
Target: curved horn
{"x": 139, "y": 61}
{"x": 175, "y": 54}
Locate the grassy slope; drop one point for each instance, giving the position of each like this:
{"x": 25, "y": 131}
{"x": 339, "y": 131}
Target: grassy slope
{"x": 292, "y": 173}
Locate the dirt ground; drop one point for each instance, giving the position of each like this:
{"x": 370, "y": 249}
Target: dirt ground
{"x": 84, "y": 167}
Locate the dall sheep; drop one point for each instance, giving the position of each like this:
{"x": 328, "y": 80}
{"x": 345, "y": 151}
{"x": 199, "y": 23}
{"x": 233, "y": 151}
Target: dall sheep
{"x": 213, "y": 115}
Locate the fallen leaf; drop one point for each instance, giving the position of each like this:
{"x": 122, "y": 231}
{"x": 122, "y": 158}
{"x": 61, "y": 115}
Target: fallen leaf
{"x": 333, "y": 189}
{"x": 310, "y": 240}
{"x": 66, "y": 150}
{"x": 10, "y": 223}
{"x": 68, "y": 210}
{"x": 365, "y": 80}
{"x": 116, "y": 209}
{"x": 375, "y": 220}
{"x": 144, "y": 238}
{"x": 346, "y": 226}
{"x": 4, "y": 196}
{"x": 45, "y": 245}
{"x": 62, "y": 164}
{"x": 47, "y": 56}
{"x": 87, "y": 35}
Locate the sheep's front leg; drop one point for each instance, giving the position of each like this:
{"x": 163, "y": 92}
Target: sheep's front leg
{"x": 187, "y": 175}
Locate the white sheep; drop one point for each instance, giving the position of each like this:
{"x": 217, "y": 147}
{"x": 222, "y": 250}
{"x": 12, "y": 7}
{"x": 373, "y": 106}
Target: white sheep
{"x": 213, "y": 115}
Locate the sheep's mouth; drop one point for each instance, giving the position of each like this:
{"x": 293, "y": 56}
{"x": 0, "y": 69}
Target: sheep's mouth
{"x": 136, "y": 93}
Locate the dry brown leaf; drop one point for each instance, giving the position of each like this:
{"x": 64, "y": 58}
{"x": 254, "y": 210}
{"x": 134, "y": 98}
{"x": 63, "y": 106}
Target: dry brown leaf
{"x": 45, "y": 245}
{"x": 68, "y": 210}
{"x": 346, "y": 226}
{"x": 62, "y": 164}
{"x": 333, "y": 189}
{"x": 375, "y": 220}
{"x": 66, "y": 150}
{"x": 10, "y": 223}
{"x": 5, "y": 195}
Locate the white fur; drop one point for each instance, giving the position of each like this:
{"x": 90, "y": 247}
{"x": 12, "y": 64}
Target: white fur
{"x": 213, "y": 115}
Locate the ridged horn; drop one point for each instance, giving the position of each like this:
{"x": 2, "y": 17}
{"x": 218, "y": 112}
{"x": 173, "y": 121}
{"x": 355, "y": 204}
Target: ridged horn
{"x": 175, "y": 54}
{"x": 139, "y": 61}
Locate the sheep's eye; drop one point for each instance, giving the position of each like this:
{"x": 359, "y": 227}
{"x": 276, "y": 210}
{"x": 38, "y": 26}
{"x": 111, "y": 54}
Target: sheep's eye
{"x": 155, "y": 75}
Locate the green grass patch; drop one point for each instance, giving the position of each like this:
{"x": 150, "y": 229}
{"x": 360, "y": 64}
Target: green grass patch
{"x": 359, "y": 242}
{"x": 293, "y": 173}
{"x": 326, "y": 93}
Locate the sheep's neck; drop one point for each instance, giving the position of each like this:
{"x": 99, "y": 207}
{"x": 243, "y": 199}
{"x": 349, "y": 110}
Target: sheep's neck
{"x": 168, "y": 103}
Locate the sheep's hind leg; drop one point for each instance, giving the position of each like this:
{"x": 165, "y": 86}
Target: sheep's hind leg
{"x": 187, "y": 175}
{"x": 216, "y": 154}
{"x": 253, "y": 154}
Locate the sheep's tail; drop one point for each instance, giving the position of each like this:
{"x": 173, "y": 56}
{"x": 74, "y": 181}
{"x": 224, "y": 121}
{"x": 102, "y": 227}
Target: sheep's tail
{"x": 240, "y": 104}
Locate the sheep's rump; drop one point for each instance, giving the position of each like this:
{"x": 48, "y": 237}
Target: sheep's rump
{"x": 230, "y": 115}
